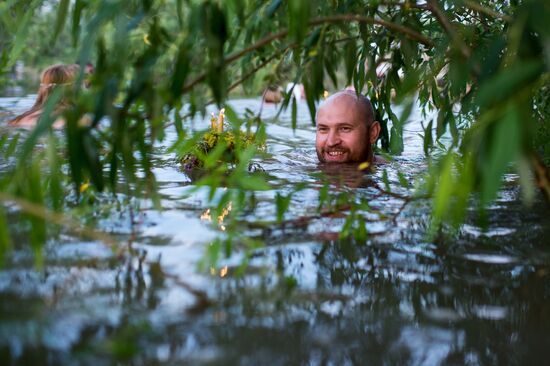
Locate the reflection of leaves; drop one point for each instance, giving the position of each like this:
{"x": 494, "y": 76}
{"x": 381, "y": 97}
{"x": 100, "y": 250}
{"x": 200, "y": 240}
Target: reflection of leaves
{"x": 123, "y": 344}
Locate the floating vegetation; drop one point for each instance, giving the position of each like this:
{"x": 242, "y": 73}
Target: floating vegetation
{"x": 218, "y": 145}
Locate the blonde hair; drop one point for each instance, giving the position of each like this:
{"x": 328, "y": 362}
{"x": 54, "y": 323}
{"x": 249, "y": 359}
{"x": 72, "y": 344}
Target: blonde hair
{"x": 53, "y": 77}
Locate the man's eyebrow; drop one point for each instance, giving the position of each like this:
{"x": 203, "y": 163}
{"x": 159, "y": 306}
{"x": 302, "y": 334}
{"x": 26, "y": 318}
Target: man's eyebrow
{"x": 337, "y": 123}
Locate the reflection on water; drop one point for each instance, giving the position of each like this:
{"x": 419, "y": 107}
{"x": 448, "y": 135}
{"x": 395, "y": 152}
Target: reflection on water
{"x": 311, "y": 296}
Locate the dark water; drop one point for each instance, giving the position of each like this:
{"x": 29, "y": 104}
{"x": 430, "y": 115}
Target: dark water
{"x": 475, "y": 296}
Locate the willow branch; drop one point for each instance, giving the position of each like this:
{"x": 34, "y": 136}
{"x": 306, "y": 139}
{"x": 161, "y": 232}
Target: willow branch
{"x": 335, "y": 19}
{"x": 255, "y": 69}
{"x": 414, "y": 35}
{"x": 264, "y": 41}
{"x": 260, "y": 66}
{"x": 243, "y": 78}
{"x": 448, "y": 27}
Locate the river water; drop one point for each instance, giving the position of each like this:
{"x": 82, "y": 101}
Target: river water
{"x": 308, "y": 297}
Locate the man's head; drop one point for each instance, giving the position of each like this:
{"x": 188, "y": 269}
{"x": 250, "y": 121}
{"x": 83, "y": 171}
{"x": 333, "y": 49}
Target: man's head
{"x": 346, "y": 129}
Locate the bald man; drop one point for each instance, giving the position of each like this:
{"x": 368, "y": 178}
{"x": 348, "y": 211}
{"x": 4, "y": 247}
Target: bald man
{"x": 346, "y": 129}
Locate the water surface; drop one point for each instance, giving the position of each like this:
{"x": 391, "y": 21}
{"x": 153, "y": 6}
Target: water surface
{"x": 477, "y": 296}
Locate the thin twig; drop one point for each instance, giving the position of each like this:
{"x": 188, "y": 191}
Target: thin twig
{"x": 414, "y": 35}
{"x": 406, "y": 5}
{"x": 486, "y": 11}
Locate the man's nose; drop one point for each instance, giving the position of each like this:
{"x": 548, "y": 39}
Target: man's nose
{"x": 333, "y": 138}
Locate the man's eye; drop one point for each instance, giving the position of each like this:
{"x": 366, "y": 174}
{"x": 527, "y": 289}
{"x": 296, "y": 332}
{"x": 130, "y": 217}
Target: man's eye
{"x": 345, "y": 129}
{"x": 322, "y": 129}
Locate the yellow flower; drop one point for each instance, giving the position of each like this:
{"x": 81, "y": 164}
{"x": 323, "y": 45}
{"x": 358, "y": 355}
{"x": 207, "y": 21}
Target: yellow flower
{"x": 84, "y": 187}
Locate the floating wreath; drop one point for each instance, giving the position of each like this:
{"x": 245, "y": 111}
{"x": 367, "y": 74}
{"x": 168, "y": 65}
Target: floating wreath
{"x": 214, "y": 138}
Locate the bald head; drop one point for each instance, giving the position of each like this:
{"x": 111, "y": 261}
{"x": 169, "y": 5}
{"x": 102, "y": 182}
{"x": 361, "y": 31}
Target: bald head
{"x": 346, "y": 128}
{"x": 350, "y": 99}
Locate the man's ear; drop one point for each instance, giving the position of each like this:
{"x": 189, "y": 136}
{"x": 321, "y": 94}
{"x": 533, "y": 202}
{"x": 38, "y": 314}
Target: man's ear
{"x": 374, "y": 131}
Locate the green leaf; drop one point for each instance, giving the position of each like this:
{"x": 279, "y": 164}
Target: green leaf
{"x": 345, "y": 232}
{"x": 12, "y": 146}
{"x": 436, "y": 98}
{"x": 503, "y": 148}
{"x": 428, "y": 139}
{"x": 294, "y": 114}
{"x": 179, "y": 12}
{"x": 323, "y": 195}
{"x": 396, "y": 140}
{"x": 310, "y": 99}
{"x": 462, "y": 189}
{"x": 272, "y": 8}
{"x": 62, "y": 11}
{"x": 38, "y": 233}
{"x": 234, "y": 120}
{"x": 509, "y": 81}
{"x": 403, "y": 180}
{"x": 213, "y": 253}
{"x": 214, "y": 26}
{"x": 5, "y": 239}
{"x": 444, "y": 190}
{"x": 3, "y": 140}
{"x": 360, "y": 232}
{"x": 44, "y": 123}
{"x": 181, "y": 70}
{"x": 452, "y": 127}
{"x": 386, "y": 180}
{"x": 350, "y": 59}
{"x": 254, "y": 183}
{"x": 441, "y": 122}
{"x": 56, "y": 191}
{"x": 77, "y": 14}
{"x": 282, "y": 203}
{"x": 23, "y": 27}
{"x": 528, "y": 191}
{"x": 298, "y": 13}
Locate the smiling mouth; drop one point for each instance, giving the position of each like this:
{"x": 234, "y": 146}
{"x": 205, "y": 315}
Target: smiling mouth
{"x": 335, "y": 155}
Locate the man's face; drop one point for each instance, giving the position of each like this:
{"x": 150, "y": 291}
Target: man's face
{"x": 341, "y": 132}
